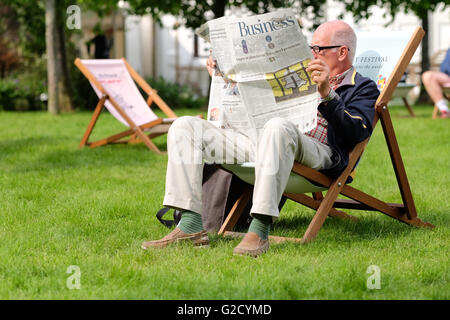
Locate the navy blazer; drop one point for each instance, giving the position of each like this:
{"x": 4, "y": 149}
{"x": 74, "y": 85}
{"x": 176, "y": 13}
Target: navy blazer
{"x": 350, "y": 118}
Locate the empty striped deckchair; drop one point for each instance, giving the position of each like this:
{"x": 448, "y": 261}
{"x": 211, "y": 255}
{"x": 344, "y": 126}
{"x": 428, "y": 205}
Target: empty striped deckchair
{"x": 114, "y": 82}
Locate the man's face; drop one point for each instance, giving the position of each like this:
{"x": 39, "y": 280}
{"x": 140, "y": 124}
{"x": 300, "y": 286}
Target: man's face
{"x": 329, "y": 56}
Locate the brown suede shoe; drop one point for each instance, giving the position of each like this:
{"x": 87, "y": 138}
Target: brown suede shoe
{"x": 199, "y": 239}
{"x": 251, "y": 245}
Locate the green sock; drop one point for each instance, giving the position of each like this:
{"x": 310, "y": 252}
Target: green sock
{"x": 190, "y": 222}
{"x": 261, "y": 225}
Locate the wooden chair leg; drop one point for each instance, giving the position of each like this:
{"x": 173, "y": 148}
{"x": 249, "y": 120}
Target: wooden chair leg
{"x": 236, "y": 211}
{"x": 411, "y": 112}
{"x": 435, "y": 113}
{"x": 315, "y": 225}
{"x": 111, "y": 139}
{"x": 326, "y": 205}
{"x": 147, "y": 141}
{"x": 97, "y": 111}
{"x": 335, "y": 213}
{"x": 397, "y": 163}
{"x": 322, "y": 212}
{"x": 133, "y": 139}
{"x": 318, "y": 197}
{"x": 138, "y": 132}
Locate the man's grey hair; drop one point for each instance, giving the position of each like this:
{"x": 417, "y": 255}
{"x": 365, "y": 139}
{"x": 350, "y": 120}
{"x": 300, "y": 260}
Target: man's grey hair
{"x": 346, "y": 37}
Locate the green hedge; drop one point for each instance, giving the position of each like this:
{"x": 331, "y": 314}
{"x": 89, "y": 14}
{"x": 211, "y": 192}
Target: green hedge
{"x": 175, "y": 95}
{"x": 21, "y": 94}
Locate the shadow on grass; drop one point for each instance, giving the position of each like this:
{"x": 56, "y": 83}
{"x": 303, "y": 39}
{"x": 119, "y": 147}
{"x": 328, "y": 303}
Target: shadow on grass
{"x": 52, "y": 153}
{"x": 370, "y": 227}
{"x": 420, "y": 111}
{"x": 9, "y": 147}
{"x": 345, "y": 231}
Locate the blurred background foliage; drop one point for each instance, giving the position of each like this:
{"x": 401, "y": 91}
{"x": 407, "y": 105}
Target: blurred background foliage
{"x": 23, "y": 67}
{"x": 23, "y": 64}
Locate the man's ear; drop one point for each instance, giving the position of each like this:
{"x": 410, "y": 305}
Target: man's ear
{"x": 343, "y": 53}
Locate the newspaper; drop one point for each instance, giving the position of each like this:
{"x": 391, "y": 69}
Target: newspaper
{"x": 261, "y": 72}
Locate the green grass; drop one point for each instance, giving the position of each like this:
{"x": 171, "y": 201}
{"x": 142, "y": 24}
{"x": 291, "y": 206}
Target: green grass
{"x": 62, "y": 206}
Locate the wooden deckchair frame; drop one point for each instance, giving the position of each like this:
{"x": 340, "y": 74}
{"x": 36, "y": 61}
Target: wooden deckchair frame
{"x": 403, "y": 93}
{"x": 136, "y": 133}
{"x": 326, "y": 205}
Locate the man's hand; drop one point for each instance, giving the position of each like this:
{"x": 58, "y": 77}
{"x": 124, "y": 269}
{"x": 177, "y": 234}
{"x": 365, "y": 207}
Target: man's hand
{"x": 210, "y": 65}
{"x": 320, "y": 74}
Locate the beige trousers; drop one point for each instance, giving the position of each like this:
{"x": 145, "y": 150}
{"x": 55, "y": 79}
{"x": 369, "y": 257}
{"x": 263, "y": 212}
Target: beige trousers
{"x": 192, "y": 141}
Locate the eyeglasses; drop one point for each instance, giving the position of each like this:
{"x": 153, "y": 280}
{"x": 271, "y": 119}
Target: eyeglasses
{"x": 317, "y": 49}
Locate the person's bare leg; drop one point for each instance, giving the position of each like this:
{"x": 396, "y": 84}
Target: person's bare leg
{"x": 433, "y": 82}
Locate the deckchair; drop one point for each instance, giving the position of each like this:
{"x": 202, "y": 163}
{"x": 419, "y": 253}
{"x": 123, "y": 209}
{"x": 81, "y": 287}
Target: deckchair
{"x": 402, "y": 91}
{"x": 306, "y": 180}
{"x": 113, "y": 80}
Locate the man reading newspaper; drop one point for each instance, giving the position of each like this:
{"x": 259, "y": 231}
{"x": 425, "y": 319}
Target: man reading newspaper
{"x": 345, "y": 117}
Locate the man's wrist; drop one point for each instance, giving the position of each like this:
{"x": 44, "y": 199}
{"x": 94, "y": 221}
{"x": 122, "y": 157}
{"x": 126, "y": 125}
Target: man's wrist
{"x": 332, "y": 95}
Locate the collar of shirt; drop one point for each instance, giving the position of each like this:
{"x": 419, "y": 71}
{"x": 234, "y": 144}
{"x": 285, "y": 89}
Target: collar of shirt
{"x": 336, "y": 80}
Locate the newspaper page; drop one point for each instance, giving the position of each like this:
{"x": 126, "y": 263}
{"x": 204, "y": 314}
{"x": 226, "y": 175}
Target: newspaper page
{"x": 226, "y": 108}
{"x": 261, "y": 72}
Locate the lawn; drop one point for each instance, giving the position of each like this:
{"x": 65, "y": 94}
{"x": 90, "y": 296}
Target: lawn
{"x": 61, "y": 206}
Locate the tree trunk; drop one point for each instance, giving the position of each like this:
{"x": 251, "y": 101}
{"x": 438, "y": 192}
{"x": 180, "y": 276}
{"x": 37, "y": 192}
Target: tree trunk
{"x": 52, "y": 65}
{"x": 59, "y": 88}
{"x": 424, "y": 98}
{"x": 218, "y": 8}
{"x": 65, "y": 89}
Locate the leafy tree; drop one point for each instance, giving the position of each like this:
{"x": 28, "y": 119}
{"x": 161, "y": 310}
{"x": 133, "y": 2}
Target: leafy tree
{"x": 59, "y": 79}
{"x": 9, "y": 56}
{"x": 361, "y": 9}
{"x": 42, "y": 33}
{"x": 197, "y": 12}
